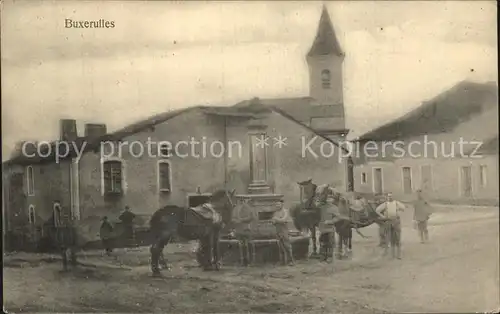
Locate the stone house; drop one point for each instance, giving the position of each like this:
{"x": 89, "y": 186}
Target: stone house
{"x": 421, "y": 150}
{"x": 180, "y": 157}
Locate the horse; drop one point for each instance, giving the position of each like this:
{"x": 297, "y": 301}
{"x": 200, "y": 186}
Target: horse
{"x": 203, "y": 223}
{"x": 345, "y": 225}
{"x": 309, "y": 214}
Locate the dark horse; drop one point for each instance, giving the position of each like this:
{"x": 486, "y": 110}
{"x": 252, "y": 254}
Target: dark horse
{"x": 307, "y": 211}
{"x": 308, "y": 215}
{"x": 199, "y": 223}
{"x": 344, "y": 226}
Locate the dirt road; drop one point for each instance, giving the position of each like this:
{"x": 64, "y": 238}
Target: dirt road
{"x": 458, "y": 271}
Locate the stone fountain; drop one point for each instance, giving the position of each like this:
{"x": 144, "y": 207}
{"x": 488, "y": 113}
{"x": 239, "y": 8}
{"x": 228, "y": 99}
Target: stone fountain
{"x": 263, "y": 247}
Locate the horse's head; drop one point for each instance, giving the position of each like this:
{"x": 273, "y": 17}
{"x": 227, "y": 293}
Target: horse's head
{"x": 224, "y": 202}
{"x": 308, "y": 189}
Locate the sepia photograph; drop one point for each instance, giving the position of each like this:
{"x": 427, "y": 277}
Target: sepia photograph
{"x": 250, "y": 156}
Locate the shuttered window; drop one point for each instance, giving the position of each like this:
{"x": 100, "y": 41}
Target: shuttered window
{"x": 113, "y": 176}
{"x": 164, "y": 176}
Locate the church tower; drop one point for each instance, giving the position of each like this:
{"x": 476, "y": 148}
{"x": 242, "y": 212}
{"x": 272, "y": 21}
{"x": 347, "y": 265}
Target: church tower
{"x": 325, "y": 60}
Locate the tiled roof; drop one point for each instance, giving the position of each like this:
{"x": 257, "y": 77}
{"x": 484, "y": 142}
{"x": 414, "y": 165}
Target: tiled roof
{"x": 146, "y": 123}
{"x": 248, "y": 109}
{"x": 326, "y": 42}
{"x": 94, "y": 144}
{"x": 300, "y": 108}
{"x": 440, "y": 114}
{"x": 489, "y": 147}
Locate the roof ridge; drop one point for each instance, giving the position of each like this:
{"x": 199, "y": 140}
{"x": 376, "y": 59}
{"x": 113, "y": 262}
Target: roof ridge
{"x": 325, "y": 41}
{"x": 286, "y": 115}
{"x": 440, "y": 100}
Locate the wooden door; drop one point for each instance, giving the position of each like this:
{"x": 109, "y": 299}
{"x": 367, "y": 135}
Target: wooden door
{"x": 466, "y": 181}
{"x": 377, "y": 181}
{"x": 75, "y": 190}
{"x": 350, "y": 175}
{"x": 407, "y": 185}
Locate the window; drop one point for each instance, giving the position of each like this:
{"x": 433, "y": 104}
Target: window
{"x": 57, "y": 215}
{"x": 407, "y": 184}
{"x": 482, "y": 175}
{"x": 164, "y": 176}
{"x": 466, "y": 181}
{"x": 325, "y": 79}
{"x": 31, "y": 215}
{"x": 164, "y": 150}
{"x": 30, "y": 177}
{"x": 113, "y": 176}
{"x": 363, "y": 177}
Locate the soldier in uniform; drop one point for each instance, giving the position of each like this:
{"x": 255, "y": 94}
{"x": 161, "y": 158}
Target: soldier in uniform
{"x": 390, "y": 211}
{"x": 244, "y": 215}
{"x": 281, "y": 220}
{"x": 421, "y": 215}
{"x": 127, "y": 219}
{"x": 326, "y": 227}
{"x": 106, "y": 233}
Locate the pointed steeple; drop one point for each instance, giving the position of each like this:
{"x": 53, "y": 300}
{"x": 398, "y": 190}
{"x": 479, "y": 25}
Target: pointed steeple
{"x": 326, "y": 42}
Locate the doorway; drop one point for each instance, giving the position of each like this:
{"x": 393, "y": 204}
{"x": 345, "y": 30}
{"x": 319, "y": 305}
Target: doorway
{"x": 407, "y": 184}
{"x": 466, "y": 182}
{"x": 377, "y": 181}
{"x": 350, "y": 175}
{"x": 74, "y": 181}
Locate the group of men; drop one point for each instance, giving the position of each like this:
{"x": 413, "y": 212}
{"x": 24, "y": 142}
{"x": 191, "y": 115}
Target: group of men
{"x": 106, "y": 231}
{"x": 243, "y": 217}
{"x": 390, "y": 230}
{"x": 390, "y": 227}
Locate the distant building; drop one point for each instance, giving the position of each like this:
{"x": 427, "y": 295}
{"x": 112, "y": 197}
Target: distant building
{"x": 468, "y": 113}
{"x": 102, "y": 182}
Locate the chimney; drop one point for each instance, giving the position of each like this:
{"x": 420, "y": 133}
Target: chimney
{"x": 68, "y": 131}
{"x": 94, "y": 130}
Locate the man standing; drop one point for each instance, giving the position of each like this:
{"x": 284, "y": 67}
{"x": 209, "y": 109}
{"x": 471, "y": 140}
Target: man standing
{"x": 106, "y": 233}
{"x": 281, "y": 220}
{"x": 379, "y": 199}
{"x": 421, "y": 215}
{"x": 243, "y": 217}
{"x": 127, "y": 219}
{"x": 326, "y": 227}
{"x": 389, "y": 211}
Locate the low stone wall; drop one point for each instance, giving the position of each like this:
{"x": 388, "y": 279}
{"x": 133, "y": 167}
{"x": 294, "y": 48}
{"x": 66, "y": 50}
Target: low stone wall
{"x": 263, "y": 251}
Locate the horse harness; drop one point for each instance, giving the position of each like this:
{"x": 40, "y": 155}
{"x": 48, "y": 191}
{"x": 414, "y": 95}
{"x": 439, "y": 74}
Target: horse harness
{"x": 207, "y": 211}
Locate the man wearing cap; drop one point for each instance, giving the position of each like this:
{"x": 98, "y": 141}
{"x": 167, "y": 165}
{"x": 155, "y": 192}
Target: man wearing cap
{"x": 127, "y": 219}
{"x": 106, "y": 233}
{"x": 422, "y": 213}
{"x": 244, "y": 215}
{"x": 329, "y": 212}
{"x": 390, "y": 211}
{"x": 281, "y": 219}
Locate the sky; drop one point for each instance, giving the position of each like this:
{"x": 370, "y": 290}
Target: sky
{"x": 166, "y": 55}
